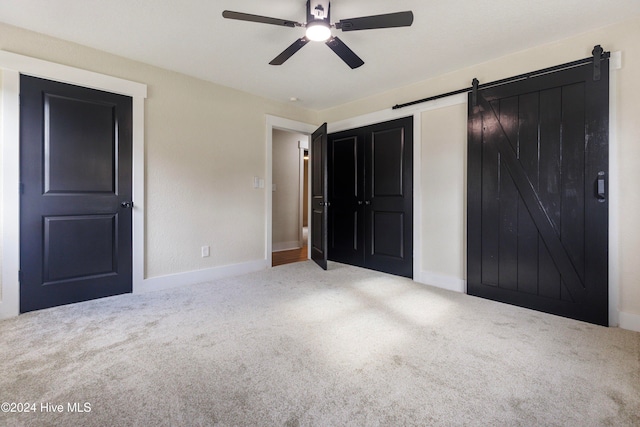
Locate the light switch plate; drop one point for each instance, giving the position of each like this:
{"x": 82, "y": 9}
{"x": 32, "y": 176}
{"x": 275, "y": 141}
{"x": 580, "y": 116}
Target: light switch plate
{"x": 206, "y": 251}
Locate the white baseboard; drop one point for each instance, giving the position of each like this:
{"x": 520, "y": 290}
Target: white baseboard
{"x": 199, "y": 276}
{"x": 630, "y": 321}
{"x": 285, "y": 246}
{"x": 441, "y": 281}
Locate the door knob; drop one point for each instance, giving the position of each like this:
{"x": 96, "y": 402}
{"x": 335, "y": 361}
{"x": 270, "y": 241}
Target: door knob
{"x": 126, "y": 204}
{"x": 368, "y": 202}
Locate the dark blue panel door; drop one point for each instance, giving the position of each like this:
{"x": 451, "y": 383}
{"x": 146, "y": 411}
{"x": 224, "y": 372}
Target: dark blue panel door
{"x": 537, "y": 199}
{"x": 75, "y": 171}
{"x": 371, "y": 195}
{"x": 319, "y": 203}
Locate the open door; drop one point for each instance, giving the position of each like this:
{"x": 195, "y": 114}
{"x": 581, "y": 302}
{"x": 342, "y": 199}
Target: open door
{"x": 319, "y": 203}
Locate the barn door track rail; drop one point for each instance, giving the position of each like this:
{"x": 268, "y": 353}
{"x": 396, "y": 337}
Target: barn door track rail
{"x": 598, "y": 56}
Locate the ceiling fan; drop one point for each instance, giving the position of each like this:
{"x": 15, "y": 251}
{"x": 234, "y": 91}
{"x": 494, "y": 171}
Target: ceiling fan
{"x": 318, "y": 28}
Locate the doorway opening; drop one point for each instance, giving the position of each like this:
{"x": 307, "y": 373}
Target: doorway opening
{"x": 290, "y": 197}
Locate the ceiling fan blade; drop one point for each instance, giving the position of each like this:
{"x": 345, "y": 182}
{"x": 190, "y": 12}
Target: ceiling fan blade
{"x": 288, "y": 52}
{"x": 389, "y": 20}
{"x": 229, "y": 14}
{"x": 343, "y": 51}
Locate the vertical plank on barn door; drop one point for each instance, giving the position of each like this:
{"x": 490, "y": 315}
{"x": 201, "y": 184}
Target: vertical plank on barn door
{"x": 508, "y": 227}
{"x": 550, "y": 169}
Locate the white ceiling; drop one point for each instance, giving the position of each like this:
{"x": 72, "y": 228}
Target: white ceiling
{"x": 191, "y": 37}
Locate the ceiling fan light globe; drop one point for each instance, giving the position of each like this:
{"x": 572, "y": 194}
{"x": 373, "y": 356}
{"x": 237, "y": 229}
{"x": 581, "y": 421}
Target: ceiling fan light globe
{"x": 318, "y": 31}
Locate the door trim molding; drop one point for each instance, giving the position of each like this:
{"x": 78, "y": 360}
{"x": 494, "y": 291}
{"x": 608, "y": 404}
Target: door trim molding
{"x": 11, "y": 66}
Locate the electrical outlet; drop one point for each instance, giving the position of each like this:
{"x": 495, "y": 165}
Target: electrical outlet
{"x": 206, "y": 251}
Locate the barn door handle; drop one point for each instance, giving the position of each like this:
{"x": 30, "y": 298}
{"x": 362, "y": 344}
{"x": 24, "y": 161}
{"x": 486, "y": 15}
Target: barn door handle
{"x": 601, "y": 191}
{"x": 126, "y": 204}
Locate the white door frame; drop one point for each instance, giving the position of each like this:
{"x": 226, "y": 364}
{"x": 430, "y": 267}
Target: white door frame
{"x": 11, "y": 66}
{"x": 302, "y": 146}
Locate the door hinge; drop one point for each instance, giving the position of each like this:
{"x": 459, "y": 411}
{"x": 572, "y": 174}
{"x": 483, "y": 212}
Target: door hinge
{"x": 20, "y": 276}
{"x": 21, "y": 188}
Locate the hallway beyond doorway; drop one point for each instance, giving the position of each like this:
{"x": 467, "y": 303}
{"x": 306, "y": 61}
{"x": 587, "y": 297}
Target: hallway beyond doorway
{"x": 290, "y": 256}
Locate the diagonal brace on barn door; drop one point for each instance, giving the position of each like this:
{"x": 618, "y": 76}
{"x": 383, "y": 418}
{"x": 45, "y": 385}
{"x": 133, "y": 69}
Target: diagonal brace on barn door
{"x": 559, "y": 253}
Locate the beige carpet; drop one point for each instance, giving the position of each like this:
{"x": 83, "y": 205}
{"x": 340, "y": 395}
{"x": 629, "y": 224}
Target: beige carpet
{"x": 297, "y": 346}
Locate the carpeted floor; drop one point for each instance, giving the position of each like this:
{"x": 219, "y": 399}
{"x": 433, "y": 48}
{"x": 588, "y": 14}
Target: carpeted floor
{"x": 297, "y": 346}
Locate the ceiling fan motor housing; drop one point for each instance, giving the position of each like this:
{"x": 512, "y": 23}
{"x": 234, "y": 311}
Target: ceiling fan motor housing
{"x": 319, "y": 10}
{"x": 318, "y": 22}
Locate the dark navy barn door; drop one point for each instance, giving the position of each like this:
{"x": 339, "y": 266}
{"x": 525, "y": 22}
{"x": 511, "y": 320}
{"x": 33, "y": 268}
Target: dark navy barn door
{"x": 75, "y": 211}
{"x": 537, "y": 194}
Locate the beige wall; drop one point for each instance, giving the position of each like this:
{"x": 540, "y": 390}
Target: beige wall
{"x": 204, "y": 143}
{"x": 443, "y": 156}
{"x": 443, "y": 183}
{"x": 286, "y": 197}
